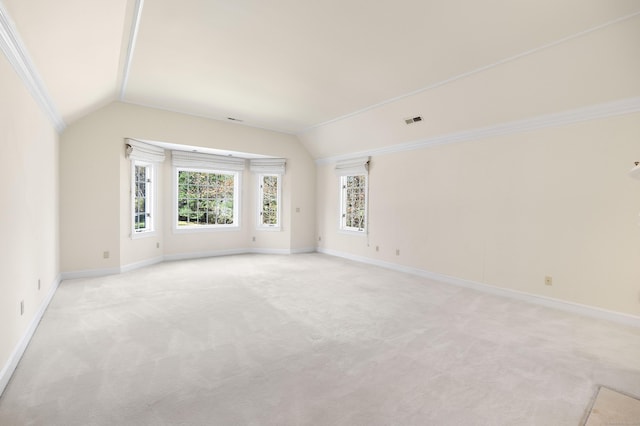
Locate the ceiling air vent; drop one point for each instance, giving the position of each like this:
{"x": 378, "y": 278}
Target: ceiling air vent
{"x": 412, "y": 120}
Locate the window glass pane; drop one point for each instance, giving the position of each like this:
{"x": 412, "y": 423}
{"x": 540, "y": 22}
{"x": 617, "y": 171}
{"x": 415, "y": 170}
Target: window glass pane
{"x": 270, "y": 200}
{"x": 205, "y": 199}
{"x": 142, "y": 198}
{"x": 354, "y": 191}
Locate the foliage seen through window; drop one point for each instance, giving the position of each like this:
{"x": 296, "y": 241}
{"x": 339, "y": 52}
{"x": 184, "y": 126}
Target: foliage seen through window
{"x": 205, "y": 198}
{"x": 269, "y": 211}
{"x": 354, "y": 204}
{"x": 142, "y": 204}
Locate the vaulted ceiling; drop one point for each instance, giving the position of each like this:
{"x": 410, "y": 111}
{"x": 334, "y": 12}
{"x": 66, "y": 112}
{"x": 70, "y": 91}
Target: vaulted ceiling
{"x": 285, "y": 65}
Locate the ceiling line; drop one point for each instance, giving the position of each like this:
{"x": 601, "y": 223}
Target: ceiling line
{"x": 208, "y": 117}
{"x": 563, "y": 118}
{"x": 474, "y": 71}
{"x": 17, "y": 55}
{"x": 133, "y": 36}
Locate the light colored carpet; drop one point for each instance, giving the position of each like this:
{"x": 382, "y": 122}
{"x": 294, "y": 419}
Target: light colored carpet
{"x": 308, "y": 340}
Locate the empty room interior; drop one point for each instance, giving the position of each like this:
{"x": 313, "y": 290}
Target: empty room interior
{"x": 410, "y": 212}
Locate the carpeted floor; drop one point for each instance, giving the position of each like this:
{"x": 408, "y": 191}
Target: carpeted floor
{"x": 308, "y": 340}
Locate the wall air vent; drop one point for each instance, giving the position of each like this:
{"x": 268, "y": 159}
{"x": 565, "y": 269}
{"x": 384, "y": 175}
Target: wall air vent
{"x": 412, "y": 120}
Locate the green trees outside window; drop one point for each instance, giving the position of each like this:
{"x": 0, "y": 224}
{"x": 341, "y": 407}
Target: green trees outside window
{"x": 269, "y": 209}
{"x": 205, "y": 198}
{"x": 142, "y": 198}
{"x": 354, "y": 202}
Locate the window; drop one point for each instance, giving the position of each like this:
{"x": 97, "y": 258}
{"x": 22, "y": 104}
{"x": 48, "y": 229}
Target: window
{"x": 207, "y": 191}
{"x": 206, "y": 198}
{"x": 144, "y": 158}
{"x": 269, "y": 201}
{"x": 353, "y": 174}
{"x": 143, "y": 190}
{"x": 353, "y": 207}
{"x": 269, "y": 172}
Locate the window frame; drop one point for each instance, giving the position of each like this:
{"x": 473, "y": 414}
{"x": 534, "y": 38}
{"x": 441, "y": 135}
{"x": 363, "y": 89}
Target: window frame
{"x": 259, "y": 210}
{"x": 237, "y": 185}
{"x": 343, "y": 205}
{"x": 150, "y": 195}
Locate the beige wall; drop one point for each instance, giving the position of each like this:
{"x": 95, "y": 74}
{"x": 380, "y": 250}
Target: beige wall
{"x": 29, "y": 213}
{"x": 93, "y": 164}
{"x": 507, "y": 211}
{"x": 89, "y": 196}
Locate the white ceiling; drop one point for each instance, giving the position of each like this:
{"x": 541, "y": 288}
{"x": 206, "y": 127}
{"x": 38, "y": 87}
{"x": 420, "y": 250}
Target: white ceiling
{"x": 282, "y": 64}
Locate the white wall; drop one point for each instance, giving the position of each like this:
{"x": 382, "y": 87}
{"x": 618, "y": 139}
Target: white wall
{"x": 29, "y": 214}
{"x": 506, "y": 210}
{"x": 93, "y": 164}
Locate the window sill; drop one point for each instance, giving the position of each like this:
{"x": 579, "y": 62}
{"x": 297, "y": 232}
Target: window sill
{"x": 354, "y": 233}
{"x": 141, "y": 235}
{"x": 269, "y": 228}
{"x": 196, "y": 230}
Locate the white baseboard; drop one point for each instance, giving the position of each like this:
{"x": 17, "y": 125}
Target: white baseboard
{"x": 16, "y": 355}
{"x": 304, "y": 250}
{"x": 142, "y": 264}
{"x": 576, "y": 308}
{"x": 267, "y": 251}
{"x": 94, "y": 273}
{"x": 203, "y": 254}
{"x": 89, "y": 273}
{"x": 215, "y": 253}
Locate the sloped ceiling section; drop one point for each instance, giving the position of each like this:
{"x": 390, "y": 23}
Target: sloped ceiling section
{"x": 587, "y": 77}
{"x": 291, "y": 64}
{"x": 76, "y": 47}
{"x": 286, "y": 65}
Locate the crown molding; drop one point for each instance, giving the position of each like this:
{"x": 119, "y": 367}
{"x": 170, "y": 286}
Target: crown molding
{"x": 595, "y": 112}
{"x": 206, "y": 117}
{"x": 15, "y": 51}
{"x": 133, "y": 37}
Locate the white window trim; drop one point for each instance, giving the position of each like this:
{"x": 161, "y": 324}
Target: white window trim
{"x": 353, "y": 167}
{"x": 151, "y": 200}
{"x": 276, "y": 166}
{"x": 146, "y": 155}
{"x": 260, "y": 226}
{"x": 237, "y": 192}
{"x": 206, "y": 162}
{"x": 137, "y": 150}
{"x": 268, "y": 167}
{"x": 342, "y": 228}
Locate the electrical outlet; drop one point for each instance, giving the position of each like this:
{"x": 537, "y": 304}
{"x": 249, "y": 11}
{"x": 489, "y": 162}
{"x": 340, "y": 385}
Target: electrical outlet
{"x": 397, "y": 252}
{"x": 548, "y": 280}
{"x": 38, "y": 283}
{"x": 21, "y": 307}
{"x": 297, "y": 209}
{"x": 105, "y": 255}
{"x": 319, "y": 238}
{"x": 253, "y": 239}
{"x": 157, "y": 245}
{"x": 377, "y": 248}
